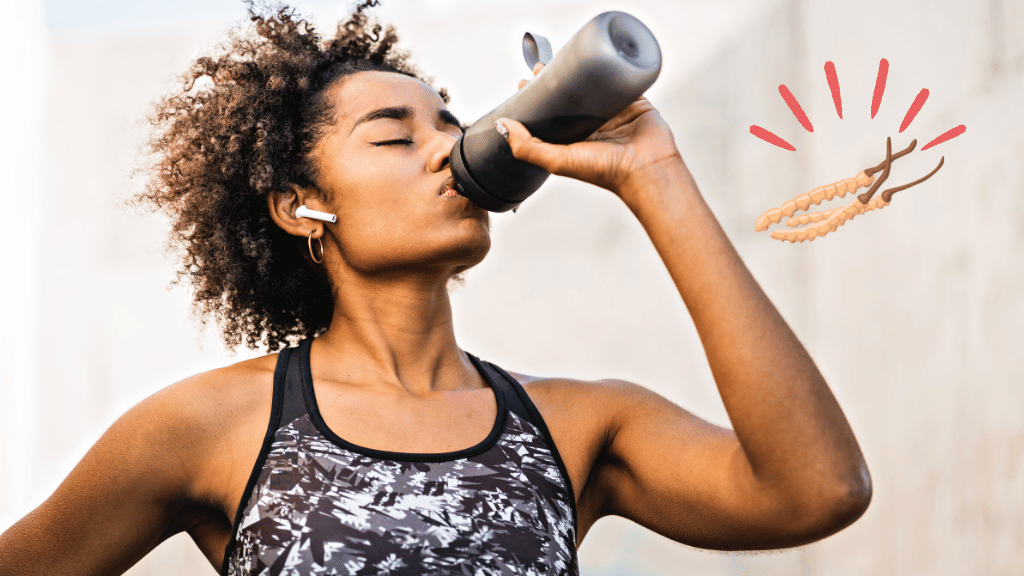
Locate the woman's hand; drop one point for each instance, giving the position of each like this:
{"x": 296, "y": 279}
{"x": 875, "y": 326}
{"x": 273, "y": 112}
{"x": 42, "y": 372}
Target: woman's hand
{"x": 622, "y": 151}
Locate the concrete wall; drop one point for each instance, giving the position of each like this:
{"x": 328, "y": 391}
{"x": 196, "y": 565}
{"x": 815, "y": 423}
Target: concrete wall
{"x": 911, "y": 313}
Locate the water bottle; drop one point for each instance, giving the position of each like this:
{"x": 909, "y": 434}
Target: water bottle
{"x": 603, "y": 69}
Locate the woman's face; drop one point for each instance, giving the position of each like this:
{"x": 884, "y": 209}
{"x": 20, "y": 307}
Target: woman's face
{"x": 384, "y": 165}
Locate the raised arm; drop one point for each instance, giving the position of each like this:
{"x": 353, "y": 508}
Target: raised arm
{"x": 792, "y": 471}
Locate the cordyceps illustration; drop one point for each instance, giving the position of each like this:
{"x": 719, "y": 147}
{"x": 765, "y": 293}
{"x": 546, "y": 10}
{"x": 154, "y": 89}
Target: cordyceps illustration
{"x": 818, "y": 224}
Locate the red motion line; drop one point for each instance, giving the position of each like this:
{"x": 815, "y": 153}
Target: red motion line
{"x": 876, "y": 99}
{"x": 771, "y": 138}
{"x": 947, "y": 135}
{"x": 914, "y": 109}
{"x": 833, "y": 85}
{"x": 794, "y": 106}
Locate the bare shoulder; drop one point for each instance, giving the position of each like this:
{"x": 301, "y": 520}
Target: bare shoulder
{"x": 216, "y": 420}
{"x": 225, "y": 391}
{"x": 224, "y": 412}
{"x": 198, "y": 408}
{"x": 595, "y": 409}
{"x": 602, "y": 400}
{"x": 229, "y": 379}
{"x": 159, "y": 469}
{"x": 621, "y": 442}
{"x": 584, "y": 417}
{"x": 199, "y": 405}
{"x": 612, "y": 406}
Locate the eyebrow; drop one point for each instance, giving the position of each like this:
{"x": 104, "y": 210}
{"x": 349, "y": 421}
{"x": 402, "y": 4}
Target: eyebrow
{"x": 402, "y": 113}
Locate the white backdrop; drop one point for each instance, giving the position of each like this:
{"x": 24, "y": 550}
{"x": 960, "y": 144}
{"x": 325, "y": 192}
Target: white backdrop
{"x": 912, "y": 313}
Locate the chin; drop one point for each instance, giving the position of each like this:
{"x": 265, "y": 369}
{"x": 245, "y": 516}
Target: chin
{"x": 469, "y": 254}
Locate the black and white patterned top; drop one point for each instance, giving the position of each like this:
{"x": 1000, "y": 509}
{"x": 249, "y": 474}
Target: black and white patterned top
{"x": 317, "y": 504}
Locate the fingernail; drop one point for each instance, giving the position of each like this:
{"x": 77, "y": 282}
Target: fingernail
{"x": 500, "y": 127}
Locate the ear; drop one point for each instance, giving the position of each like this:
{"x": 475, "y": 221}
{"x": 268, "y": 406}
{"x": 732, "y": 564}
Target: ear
{"x": 283, "y": 204}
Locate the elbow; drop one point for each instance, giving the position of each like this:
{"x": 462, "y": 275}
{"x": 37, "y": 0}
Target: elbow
{"x": 839, "y": 504}
{"x": 823, "y": 508}
{"x": 851, "y": 500}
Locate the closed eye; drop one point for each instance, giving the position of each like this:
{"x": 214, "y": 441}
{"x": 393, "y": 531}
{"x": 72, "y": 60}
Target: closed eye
{"x": 390, "y": 142}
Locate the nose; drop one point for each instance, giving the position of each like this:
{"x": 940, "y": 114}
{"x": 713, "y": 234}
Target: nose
{"x": 440, "y": 158}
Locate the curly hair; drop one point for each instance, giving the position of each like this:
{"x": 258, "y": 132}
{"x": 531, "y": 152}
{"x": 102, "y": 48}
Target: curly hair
{"x": 243, "y": 125}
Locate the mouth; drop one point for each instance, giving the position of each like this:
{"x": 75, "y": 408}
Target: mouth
{"x": 448, "y": 188}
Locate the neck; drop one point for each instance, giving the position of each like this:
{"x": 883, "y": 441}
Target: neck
{"x": 394, "y": 334}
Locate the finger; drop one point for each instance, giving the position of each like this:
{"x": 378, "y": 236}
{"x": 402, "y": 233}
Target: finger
{"x": 530, "y": 149}
{"x": 536, "y": 70}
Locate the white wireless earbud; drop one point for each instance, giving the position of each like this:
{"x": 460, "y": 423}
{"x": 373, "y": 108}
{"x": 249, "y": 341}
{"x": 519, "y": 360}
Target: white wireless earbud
{"x": 303, "y": 212}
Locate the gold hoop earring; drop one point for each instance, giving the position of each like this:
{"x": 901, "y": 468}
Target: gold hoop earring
{"x": 310, "y": 242}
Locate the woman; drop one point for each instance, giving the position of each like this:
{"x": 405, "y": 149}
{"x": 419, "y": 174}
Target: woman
{"x": 378, "y": 446}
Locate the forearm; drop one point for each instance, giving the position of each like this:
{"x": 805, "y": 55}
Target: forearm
{"x": 791, "y": 429}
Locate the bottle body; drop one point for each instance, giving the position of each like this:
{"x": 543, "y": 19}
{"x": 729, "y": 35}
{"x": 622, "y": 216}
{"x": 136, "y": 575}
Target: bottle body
{"x": 604, "y": 68}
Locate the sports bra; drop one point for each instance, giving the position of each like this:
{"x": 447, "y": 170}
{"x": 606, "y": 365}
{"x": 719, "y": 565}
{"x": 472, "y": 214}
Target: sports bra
{"x": 317, "y": 504}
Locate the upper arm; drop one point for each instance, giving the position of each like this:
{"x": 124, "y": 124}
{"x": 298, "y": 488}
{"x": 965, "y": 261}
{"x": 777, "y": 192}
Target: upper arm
{"x": 684, "y": 477}
{"x": 120, "y": 501}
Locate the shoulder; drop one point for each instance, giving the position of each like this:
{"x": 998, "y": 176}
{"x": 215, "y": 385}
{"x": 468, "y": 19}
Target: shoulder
{"x": 605, "y": 401}
{"x": 147, "y": 477}
{"x": 585, "y": 414}
{"x": 205, "y": 424}
{"x": 623, "y": 415}
{"x": 595, "y": 410}
{"x": 584, "y": 418}
{"x": 224, "y": 390}
{"x": 211, "y": 399}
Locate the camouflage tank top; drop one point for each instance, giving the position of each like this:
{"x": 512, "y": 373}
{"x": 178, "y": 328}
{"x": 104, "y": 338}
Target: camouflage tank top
{"x": 317, "y": 504}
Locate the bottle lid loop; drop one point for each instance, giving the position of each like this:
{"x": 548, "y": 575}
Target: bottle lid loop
{"x": 536, "y": 48}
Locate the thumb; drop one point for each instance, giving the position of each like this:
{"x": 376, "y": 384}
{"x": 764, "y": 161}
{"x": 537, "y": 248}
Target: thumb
{"x": 529, "y": 148}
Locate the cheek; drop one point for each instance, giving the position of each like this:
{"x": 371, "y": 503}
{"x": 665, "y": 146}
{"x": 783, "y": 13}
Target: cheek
{"x": 372, "y": 223}
{"x": 379, "y": 228}
{"x": 368, "y": 203}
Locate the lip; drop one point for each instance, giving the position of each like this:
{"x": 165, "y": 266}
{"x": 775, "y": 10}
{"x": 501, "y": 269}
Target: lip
{"x": 448, "y": 184}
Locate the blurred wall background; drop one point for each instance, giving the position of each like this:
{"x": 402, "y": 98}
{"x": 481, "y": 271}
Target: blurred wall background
{"x": 913, "y": 314}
